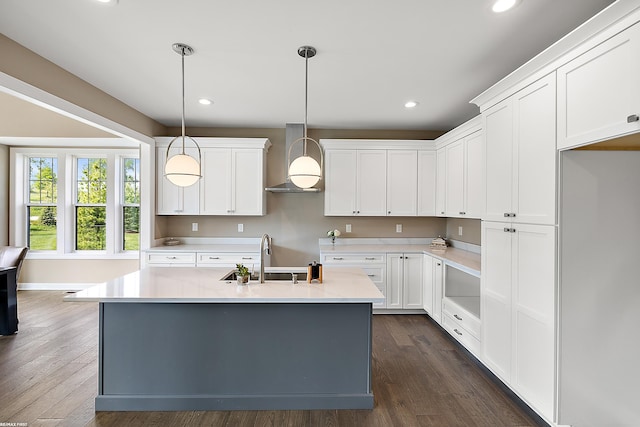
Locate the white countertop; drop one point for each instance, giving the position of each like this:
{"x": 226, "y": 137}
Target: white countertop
{"x": 203, "y": 285}
{"x": 458, "y": 258}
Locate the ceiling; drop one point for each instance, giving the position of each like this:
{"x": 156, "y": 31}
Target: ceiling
{"x": 372, "y": 56}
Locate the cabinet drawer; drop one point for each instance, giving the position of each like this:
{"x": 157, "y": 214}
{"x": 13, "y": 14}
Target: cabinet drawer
{"x": 354, "y": 259}
{"x": 216, "y": 259}
{"x": 376, "y": 274}
{"x": 452, "y": 326}
{"x": 462, "y": 317}
{"x": 171, "y": 258}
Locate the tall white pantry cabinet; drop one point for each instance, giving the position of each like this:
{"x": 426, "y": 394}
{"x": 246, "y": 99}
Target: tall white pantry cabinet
{"x": 518, "y": 283}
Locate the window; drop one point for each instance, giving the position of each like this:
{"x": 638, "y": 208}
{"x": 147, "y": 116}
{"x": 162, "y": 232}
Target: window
{"x": 131, "y": 204}
{"x": 76, "y": 202}
{"x": 42, "y": 212}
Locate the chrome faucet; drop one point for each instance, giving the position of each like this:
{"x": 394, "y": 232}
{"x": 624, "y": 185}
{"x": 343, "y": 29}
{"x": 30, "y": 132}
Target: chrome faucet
{"x": 265, "y": 245}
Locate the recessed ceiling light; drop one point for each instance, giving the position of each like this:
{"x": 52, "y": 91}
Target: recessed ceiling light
{"x": 107, "y": 1}
{"x": 411, "y": 104}
{"x": 205, "y": 101}
{"x": 500, "y": 6}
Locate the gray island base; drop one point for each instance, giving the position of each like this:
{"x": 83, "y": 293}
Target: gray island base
{"x": 176, "y": 356}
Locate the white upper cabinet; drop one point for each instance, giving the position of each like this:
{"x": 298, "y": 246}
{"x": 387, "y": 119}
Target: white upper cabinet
{"x": 521, "y": 156}
{"x": 232, "y": 183}
{"x": 402, "y": 182}
{"x": 387, "y": 178}
{"x": 599, "y": 92}
{"x": 171, "y": 199}
{"x": 460, "y": 177}
{"x": 427, "y": 183}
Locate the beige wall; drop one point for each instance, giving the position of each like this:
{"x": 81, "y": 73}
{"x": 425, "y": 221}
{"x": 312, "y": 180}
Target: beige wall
{"x": 31, "y": 68}
{"x": 75, "y": 271}
{"x": 296, "y": 221}
{"x": 470, "y": 230}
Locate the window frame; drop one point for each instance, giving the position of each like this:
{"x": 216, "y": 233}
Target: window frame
{"x": 67, "y": 201}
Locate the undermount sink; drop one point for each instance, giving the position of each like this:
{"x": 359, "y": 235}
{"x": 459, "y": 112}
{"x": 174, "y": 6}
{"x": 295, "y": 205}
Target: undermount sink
{"x": 269, "y": 275}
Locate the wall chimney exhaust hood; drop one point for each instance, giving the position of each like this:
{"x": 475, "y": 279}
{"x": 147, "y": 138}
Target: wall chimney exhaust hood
{"x": 294, "y": 131}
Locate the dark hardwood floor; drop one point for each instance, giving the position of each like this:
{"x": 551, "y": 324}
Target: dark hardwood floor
{"x": 48, "y": 377}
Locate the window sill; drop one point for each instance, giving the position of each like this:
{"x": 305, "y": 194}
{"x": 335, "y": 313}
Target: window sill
{"x": 76, "y": 256}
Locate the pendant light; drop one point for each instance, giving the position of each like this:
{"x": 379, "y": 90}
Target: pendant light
{"x": 181, "y": 169}
{"x": 305, "y": 171}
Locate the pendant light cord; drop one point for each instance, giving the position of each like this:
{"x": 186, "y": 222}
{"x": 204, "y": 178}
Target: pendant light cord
{"x": 183, "y": 127}
{"x": 306, "y": 99}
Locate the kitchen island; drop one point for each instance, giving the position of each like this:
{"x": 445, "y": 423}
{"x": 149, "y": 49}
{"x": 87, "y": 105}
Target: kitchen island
{"x": 182, "y": 339}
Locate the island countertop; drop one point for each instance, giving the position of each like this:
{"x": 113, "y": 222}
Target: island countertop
{"x": 203, "y": 285}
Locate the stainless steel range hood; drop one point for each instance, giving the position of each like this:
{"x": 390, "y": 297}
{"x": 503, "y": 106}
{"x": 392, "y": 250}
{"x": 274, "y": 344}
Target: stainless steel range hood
{"x": 294, "y": 131}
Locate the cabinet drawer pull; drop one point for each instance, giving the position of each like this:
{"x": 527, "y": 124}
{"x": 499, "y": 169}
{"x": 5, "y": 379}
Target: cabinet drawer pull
{"x": 462, "y": 213}
{"x": 214, "y": 257}
{"x": 457, "y": 317}
{"x": 457, "y": 332}
{"x": 369, "y": 258}
{"x": 633, "y": 118}
{"x": 247, "y": 257}
{"x": 371, "y": 275}
{"x": 509, "y": 230}
{"x": 509, "y": 214}
{"x": 338, "y": 258}
{"x": 172, "y": 257}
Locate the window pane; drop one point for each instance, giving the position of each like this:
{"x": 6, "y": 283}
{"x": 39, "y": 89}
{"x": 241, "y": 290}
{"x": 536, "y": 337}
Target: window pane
{"x": 92, "y": 181}
{"x": 91, "y": 228}
{"x": 131, "y": 238}
{"x": 43, "y": 178}
{"x": 131, "y": 181}
{"x": 41, "y": 235}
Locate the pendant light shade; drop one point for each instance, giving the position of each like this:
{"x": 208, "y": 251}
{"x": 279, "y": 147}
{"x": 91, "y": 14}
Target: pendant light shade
{"x": 182, "y": 169}
{"x": 305, "y": 171}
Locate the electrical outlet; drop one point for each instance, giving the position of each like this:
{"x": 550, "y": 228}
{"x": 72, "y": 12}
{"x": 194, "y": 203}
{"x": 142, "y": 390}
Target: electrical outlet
{"x": 240, "y": 228}
{"x": 347, "y": 228}
{"x": 459, "y": 231}
{"x": 398, "y": 228}
{"x": 194, "y": 226}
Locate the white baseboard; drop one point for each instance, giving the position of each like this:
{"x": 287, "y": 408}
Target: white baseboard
{"x": 54, "y": 286}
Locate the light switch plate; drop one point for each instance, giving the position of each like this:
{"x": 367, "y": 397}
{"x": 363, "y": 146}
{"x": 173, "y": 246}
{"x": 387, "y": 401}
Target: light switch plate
{"x": 459, "y": 231}
{"x": 398, "y": 228}
{"x": 240, "y": 228}
{"x": 194, "y": 226}
{"x": 347, "y": 228}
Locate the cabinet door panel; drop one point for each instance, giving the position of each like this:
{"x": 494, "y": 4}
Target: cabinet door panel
{"x": 496, "y": 295}
{"x": 441, "y": 181}
{"x": 534, "y": 191}
{"x": 498, "y": 131}
{"x": 427, "y": 281}
{"x": 248, "y": 180}
{"x": 395, "y": 277}
{"x": 534, "y": 293}
{"x": 371, "y": 183}
{"x": 171, "y": 199}
{"x": 454, "y": 201}
{"x": 340, "y": 183}
{"x": 402, "y": 182}
{"x": 474, "y": 192}
{"x": 426, "y": 183}
{"x": 412, "y": 292}
{"x": 598, "y": 90}
{"x": 216, "y": 184}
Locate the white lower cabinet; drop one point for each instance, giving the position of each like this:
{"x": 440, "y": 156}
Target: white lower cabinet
{"x": 432, "y": 277}
{"x": 518, "y": 309}
{"x": 404, "y": 281}
{"x": 374, "y": 265}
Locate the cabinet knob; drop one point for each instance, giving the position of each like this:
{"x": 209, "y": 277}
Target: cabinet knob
{"x": 462, "y": 213}
{"x": 457, "y": 317}
{"x": 509, "y": 230}
{"x": 442, "y": 213}
{"x": 353, "y": 212}
{"x": 438, "y": 264}
{"x": 633, "y": 118}
{"x": 389, "y": 212}
{"x": 357, "y": 211}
